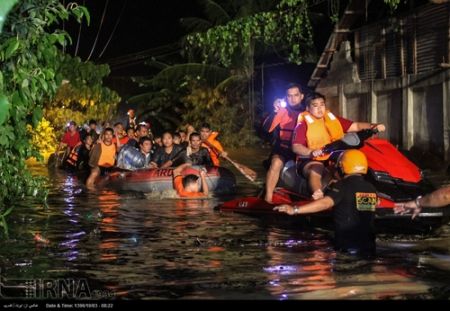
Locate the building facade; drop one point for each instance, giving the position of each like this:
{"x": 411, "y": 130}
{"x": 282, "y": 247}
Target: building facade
{"x": 396, "y": 72}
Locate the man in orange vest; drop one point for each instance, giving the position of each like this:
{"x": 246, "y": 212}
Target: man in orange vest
{"x": 284, "y": 121}
{"x": 317, "y": 127}
{"x": 210, "y": 142}
{"x": 102, "y": 157}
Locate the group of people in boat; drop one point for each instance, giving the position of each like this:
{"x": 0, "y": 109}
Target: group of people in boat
{"x": 135, "y": 147}
{"x": 300, "y": 128}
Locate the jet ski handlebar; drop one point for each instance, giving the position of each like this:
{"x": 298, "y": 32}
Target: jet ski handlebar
{"x": 354, "y": 140}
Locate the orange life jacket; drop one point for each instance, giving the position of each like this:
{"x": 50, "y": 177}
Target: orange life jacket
{"x": 287, "y": 120}
{"x": 216, "y": 151}
{"x": 107, "y": 155}
{"x": 73, "y": 156}
{"x": 321, "y": 131}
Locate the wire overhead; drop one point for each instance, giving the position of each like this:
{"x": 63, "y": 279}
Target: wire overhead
{"x": 99, "y": 29}
{"x": 115, "y": 27}
{"x": 79, "y": 33}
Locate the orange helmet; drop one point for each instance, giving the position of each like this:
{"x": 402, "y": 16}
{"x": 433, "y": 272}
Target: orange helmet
{"x": 353, "y": 162}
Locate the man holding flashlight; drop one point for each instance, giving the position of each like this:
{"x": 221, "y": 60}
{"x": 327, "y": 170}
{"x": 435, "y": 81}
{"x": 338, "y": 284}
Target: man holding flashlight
{"x": 283, "y": 120}
{"x": 131, "y": 121}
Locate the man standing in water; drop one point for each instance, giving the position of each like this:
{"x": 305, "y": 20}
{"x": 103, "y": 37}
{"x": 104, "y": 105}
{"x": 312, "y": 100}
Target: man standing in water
{"x": 285, "y": 120}
{"x": 353, "y": 200}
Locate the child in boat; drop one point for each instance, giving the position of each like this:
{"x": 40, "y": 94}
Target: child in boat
{"x": 187, "y": 186}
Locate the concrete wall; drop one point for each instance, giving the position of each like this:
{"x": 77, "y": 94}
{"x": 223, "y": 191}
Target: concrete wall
{"x": 415, "y": 108}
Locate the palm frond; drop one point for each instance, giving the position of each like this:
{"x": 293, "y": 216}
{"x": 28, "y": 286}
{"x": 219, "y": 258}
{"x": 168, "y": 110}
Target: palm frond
{"x": 195, "y": 24}
{"x": 222, "y": 86}
{"x": 156, "y": 64}
{"x": 215, "y": 12}
{"x": 174, "y": 75}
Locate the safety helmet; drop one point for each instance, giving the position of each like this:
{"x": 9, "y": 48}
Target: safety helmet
{"x": 353, "y": 162}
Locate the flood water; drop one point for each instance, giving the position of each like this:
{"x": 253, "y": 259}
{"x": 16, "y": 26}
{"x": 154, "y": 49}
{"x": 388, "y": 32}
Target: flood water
{"x": 131, "y": 246}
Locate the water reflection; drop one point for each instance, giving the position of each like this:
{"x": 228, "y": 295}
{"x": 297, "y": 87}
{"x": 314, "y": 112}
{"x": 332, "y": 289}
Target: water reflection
{"x": 158, "y": 247}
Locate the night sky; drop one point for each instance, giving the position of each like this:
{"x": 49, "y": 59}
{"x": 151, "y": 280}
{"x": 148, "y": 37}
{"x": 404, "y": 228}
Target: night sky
{"x": 146, "y": 24}
{"x": 142, "y": 24}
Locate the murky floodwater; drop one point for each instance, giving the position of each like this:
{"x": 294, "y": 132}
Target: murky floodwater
{"x": 135, "y": 247}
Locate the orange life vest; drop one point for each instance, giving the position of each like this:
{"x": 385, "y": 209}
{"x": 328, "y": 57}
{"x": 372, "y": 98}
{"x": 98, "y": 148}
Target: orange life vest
{"x": 321, "y": 131}
{"x": 216, "y": 151}
{"x": 287, "y": 120}
{"x": 107, "y": 155}
{"x": 73, "y": 156}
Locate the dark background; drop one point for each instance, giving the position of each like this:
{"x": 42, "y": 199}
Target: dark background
{"x": 143, "y": 26}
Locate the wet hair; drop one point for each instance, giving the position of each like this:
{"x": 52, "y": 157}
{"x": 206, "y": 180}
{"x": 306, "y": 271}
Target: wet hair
{"x": 139, "y": 127}
{"x": 312, "y": 97}
{"x": 194, "y": 134}
{"x": 167, "y": 132}
{"x": 94, "y": 136}
{"x": 189, "y": 179}
{"x": 205, "y": 126}
{"x": 294, "y": 85}
{"x": 92, "y": 122}
{"x": 142, "y": 140}
{"x": 108, "y": 129}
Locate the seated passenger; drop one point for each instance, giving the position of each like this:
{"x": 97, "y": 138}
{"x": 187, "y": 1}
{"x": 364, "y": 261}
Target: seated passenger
{"x": 120, "y": 137}
{"x": 130, "y": 158}
{"x": 79, "y": 157}
{"x": 102, "y": 156}
{"x": 176, "y": 138}
{"x": 71, "y": 138}
{"x": 169, "y": 155}
{"x": 317, "y": 127}
{"x": 141, "y": 131}
{"x": 187, "y": 186}
{"x": 209, "y": 142}
{"x": 131, "y": 137}
{"x": 195, "y": 154}
{"x": 184, "y": 139}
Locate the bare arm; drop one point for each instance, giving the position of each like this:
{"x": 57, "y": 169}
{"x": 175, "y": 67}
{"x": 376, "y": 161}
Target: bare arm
{"x": 304, "y": 151}
{"x": 358, "y": 126}
{"x": 204, "y": 183}
{"x": 179, "y": 169}
{"x": 314, "y": 207}
{"x": 438, "y": 198}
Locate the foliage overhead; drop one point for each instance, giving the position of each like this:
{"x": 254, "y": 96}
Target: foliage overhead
{"x": 81, "y": 96}
{"x": 287, "y": 26}
{"x": 28, "y": 60}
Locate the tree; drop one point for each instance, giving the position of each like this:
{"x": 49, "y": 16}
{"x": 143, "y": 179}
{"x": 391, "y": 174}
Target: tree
{"x": 28, "y": 54}
{"x": 81, "y": 96}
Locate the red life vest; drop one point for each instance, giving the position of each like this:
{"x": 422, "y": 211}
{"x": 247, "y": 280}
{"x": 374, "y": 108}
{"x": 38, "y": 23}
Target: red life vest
{"x": 286, "y": 119}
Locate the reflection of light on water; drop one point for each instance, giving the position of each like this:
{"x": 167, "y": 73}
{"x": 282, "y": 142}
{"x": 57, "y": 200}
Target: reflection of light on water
{"x": 292, "y": 243}
{"x": 274, "y": 283}
{"x": 285, "y": 269}
{"x": 69, "y": 186}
